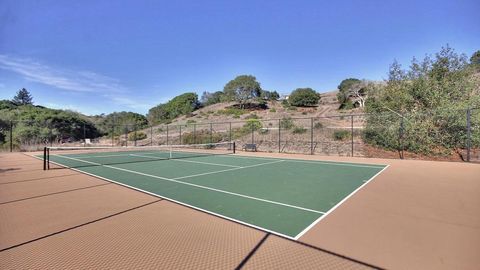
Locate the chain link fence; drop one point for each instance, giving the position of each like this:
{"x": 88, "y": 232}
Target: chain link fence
{"x": 450, "y": 135}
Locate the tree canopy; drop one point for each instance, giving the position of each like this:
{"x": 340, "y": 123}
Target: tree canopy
{"x": 304, "y": 97}
{"x": 211, "y": 98}
{"x": 475, "y": 60}
{"x": 119, "y": 122}
{"x": 179, "y": 105}
{"x": 426, "y": 103}
{"x": 343, "y": 95}
{"x": 243, "y": 89}
{"x": 269, "y": 95}
{"x": 38, "y": 125}
{"x": 23, "y": 97}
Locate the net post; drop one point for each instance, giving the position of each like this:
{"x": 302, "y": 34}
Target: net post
{"x": 469, "y": 133}
{"x": 351, "y": 135}
{"x": 11, "y": 135}
{"x": 311, "y": 136}
{"x": 45, "y": 158}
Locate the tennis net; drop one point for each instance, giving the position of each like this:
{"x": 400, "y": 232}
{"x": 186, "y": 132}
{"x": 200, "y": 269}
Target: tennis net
{"x": 74, "y": 157}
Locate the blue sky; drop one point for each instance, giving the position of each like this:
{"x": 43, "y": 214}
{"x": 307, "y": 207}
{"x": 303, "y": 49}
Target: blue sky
{"x": 104, "y": 56}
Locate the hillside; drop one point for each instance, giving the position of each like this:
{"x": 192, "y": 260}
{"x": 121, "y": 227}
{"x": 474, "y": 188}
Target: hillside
{"x": 275, "y": 110}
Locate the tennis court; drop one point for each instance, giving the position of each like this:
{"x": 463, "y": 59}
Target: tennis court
{"x": 282, "y": 196}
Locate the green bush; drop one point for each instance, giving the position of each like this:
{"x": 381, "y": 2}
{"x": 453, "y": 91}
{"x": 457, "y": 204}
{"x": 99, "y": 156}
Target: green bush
{"x": 232, "y": 111}
{"x": 286, "y": 123}
{"x": 299, "y": 130}
{"x": 191, "y": 121}
{"x": 341, "y": 135}
{"x": 252, "y": 124}
{"x": 304, "y": 97}
{"x": 272, "y": 110}
{"x": 136, "y": 136}
{"x": 183, "y": 104}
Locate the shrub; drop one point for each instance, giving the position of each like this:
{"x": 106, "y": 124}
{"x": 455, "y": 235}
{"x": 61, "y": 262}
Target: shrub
{"x": 252, "y": 116}
{"x": 135, "y": 136}
{"x": 304, "y": 113}
{"x": 299, "y": 130}
{"x": 304, "y": 97}
{"x": 341, "y": 135}
{"x": 191, "y": 121}
{"x": 252, "y": 124}
{"x": 273, "y": 110}
{"x": 286, "y": 123}
{"x": 232, "y": 111}
{"x": 318, "y": 125}
{"x": 201, "y": 136}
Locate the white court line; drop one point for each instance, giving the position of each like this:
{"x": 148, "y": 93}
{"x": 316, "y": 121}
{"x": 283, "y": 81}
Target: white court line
{"x": 207, "y": 163}
{"x": 203, "y": 187}
{"x": 116, "y": 155}
{"x": 337, "y": 205}
{"x": 226, "y": 170}
{"x": 191, "y": 161}
{"x": 333, "y": 163}
{"x": 172, "y": 200}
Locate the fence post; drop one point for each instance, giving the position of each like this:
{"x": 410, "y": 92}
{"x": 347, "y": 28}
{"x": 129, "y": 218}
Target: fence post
{"x": 151, "y": 135}
{"x": 135, "y": 133}
{"x": 167, "y": 134}
{"x": 351, "y": 127}
{"x": 113, "y": 135}
{"x": 230, "y": 132}
{"x": 279, "y": 136}
{"x": 180, "y": 127}
{"x": 311, "y": 136}
{"x": 126, "y": 135}
{"x": 194, "y": 133}
{"x": 84, "y": 136}
{"x": 469, "y": 133}
{"x": 11, "y": 135}
{"x": 211, "y": 133}
{"x": 402, "y": 130}
{"x": 253, "y": 138}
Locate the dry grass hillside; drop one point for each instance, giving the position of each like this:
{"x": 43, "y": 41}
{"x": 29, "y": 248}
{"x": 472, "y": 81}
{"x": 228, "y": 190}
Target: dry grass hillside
{"x": 329, "y": 130}
{"x": 215, "y": 113}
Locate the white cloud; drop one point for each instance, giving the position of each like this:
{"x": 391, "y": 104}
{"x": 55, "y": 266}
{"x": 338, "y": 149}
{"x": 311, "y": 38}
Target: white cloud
{"x": 76, "y": 81}
{"x": 73, "y": 81}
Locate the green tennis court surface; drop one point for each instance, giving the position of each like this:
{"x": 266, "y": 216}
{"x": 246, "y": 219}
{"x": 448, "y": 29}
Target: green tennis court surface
{"x": 283, "y": 196}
